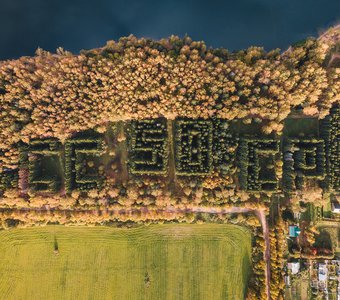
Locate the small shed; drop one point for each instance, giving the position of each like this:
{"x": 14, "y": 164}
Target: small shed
{"x": 294, "y": 231}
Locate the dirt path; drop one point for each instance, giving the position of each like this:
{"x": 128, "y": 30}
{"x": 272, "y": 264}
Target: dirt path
{"x": 262, "y": 216}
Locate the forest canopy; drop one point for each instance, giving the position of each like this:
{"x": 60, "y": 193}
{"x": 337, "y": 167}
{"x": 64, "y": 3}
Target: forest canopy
{"x": 56, "y": 95}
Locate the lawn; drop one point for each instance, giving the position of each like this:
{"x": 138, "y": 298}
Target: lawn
{"x": 298, "y": 127}
{"x": 210, "y": 261}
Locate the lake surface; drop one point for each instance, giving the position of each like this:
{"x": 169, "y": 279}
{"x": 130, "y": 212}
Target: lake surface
{"x": 84, "y": 24}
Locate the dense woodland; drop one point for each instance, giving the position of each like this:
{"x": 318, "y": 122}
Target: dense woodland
{"x": 144, "y": 131}
{"x": 56, "y": 95}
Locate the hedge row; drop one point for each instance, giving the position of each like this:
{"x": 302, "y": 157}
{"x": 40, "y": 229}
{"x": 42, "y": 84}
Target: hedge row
{"x": 303, "y": 158}
{"x": 200, "y": 147}
{"x": 8, "y": 179}
{"x": 253, "y": 175}
{"x": 224, "y": 147}
{"x": 40, "y": 178}
{"x": 193, "y": 146}
{"x": 77, "y": 153}
{"x": 148, "y": 146}
{"x": 331, "y": 134}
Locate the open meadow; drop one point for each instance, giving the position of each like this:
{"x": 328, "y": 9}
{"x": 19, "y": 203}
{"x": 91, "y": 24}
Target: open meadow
{"x": 210, "y": 261}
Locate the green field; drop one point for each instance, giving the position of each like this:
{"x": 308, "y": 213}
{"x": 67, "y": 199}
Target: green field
{"x": 210, "y": 261}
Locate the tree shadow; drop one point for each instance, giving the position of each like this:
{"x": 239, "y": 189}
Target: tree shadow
{"x": 56, "y": 245}
{"x": 323, "y": 240}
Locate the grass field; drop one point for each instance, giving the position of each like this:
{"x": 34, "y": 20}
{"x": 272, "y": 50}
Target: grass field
{"x": 295, "y": 126}
{"x": 210, "y": 261}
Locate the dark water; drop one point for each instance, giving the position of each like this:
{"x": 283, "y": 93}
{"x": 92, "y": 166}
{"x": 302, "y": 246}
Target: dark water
{"x": 82, "y": 24}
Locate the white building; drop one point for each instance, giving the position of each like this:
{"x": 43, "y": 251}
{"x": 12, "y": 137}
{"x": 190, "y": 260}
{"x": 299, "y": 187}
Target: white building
{"x": 336, "y": 207}
{"x": 323, "y": 272}
{"x": 294, "y": 267}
